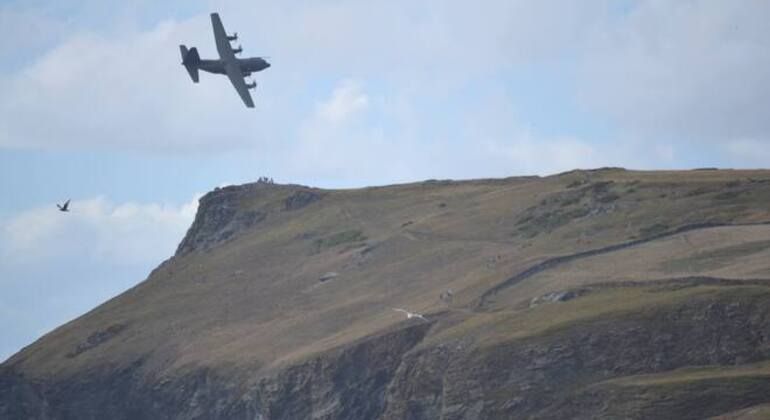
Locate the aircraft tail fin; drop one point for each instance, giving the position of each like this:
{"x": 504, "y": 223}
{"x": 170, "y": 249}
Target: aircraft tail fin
{"x": 190, "y": 60}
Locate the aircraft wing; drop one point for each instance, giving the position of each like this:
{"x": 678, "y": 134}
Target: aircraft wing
{"x": 220, "y": 36}
{"x": 236, "y": 78}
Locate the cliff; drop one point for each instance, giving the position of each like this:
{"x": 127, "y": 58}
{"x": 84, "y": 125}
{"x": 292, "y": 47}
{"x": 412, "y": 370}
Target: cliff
{"x": 588, "y": 294}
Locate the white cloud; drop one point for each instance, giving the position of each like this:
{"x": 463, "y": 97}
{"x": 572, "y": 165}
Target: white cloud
{"x": 25, "y": 32}
{"x": 125, "y": 89}
{"x": 386, "y": 141}
{"x": 56, "y": 266}
{"x": 338, "y": 141}
{"x": 657, "y": 72}
{"x": 751, "y": 151}
{"x": 347, "y": 99}
{"x": 96, "y": 230}
{"x": 525, "y": 154}
{"x": 505, "y": 145}
{"x": 693, "y": 70}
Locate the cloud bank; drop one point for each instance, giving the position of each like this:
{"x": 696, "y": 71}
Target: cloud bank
{"x": 55, "y": 266}
{"x": 654, "y": 72}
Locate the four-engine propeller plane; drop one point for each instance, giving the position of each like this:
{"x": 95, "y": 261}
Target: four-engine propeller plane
{"x": 235, "y": 68}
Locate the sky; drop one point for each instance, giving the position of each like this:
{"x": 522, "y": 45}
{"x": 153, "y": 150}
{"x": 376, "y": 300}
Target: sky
{"x": 97, "y": 108}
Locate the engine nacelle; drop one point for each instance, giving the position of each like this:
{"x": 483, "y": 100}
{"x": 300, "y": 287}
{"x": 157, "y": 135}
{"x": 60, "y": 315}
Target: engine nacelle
{"x": 232, "y": 37}
{"x": 237, "y": 50}
{"x": 251, "y": 85}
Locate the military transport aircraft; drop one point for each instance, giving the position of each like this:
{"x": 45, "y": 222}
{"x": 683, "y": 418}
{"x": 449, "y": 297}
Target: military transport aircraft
{"x": 235, "y": 68}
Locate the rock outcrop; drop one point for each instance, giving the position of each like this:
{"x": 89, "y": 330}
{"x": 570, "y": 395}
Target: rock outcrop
{"x": 223, "y": 213}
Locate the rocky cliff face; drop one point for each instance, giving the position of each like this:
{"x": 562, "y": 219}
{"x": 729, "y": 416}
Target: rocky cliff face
{"x": 591, "y": 294}
{"x": 222, "y": 213}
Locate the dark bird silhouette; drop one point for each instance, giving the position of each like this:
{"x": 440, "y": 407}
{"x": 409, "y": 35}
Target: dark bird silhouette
{"x": 64, "y": 207}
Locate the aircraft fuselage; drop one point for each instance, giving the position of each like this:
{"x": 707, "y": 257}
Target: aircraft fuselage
{"x": 247, "y": 65}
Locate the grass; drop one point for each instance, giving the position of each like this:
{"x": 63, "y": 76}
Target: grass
{"x": 339, "y": 238}
{"x": 729, "y": 195}
{"x": 654, "y": 229}
{"x": 545, "y": 222}
{"x": 715, "y": 258}
{"x": 602, "y": 304}
{"x": 755, "y": 412}
{"x": 271, "y": 310}
{"x": 700, "y": 373}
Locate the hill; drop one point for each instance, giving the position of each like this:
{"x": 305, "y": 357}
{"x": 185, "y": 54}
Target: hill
{"x": 588, "y": 294}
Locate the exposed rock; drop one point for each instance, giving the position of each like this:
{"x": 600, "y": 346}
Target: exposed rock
{"x": 554, "y": 297}
{"x": 546, "y": 377}
{"x": 219, "y": 217}
{"x": 328, "y": 276}
{"x": 348, "y": 383}
{"x": 97, "y": 338}
{"x": 221, "y": 213}
{"x": 300, "y": 199}
{"x": 564, "y": 207}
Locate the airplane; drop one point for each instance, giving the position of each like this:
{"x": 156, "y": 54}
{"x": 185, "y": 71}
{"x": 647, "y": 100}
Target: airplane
{"x": 65, "y": 206}
{"x": 235, "y": 68}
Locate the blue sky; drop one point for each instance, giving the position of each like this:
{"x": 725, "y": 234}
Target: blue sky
{"x": 97, "y": 108}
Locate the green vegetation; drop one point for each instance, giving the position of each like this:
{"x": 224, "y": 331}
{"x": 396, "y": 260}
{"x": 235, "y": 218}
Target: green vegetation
{"x": 563, "y": 207}
{"x": 652, "y": 230}
{"x": 531, "y": 226}
{"x": 339, "y": 238}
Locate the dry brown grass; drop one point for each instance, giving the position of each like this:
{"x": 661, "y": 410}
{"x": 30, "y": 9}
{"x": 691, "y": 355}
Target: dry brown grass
{"x": 256, "y": 301}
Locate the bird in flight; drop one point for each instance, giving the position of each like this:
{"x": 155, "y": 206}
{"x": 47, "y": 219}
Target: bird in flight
{"x": 65, "y": 206}
{"x": 410, "y": 315}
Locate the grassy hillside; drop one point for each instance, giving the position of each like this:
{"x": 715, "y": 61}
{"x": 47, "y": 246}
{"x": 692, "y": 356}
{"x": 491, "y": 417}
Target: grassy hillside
{"x": 536, "y": 266}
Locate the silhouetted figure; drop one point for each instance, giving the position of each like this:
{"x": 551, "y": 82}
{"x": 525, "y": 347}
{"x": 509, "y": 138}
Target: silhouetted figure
{"x": 65, "y": 206}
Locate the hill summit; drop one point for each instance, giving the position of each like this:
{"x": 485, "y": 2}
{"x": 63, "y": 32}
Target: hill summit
{"x": 602, "y": 293}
